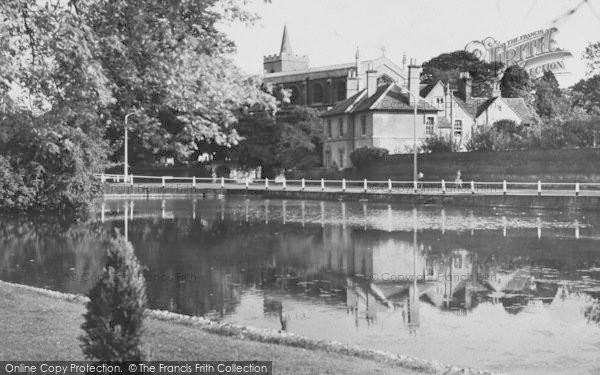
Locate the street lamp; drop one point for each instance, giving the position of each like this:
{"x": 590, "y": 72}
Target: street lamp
{"x": 126, "y": 163}
{"x": 414, "y": 139}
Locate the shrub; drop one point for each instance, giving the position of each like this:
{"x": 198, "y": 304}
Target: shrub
{"x": 440, "y": 143}
{"x": 365, "y": 155}
{"x": 114, "y": 317}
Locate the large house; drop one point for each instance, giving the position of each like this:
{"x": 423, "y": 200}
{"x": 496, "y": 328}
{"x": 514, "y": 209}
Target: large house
{"x": 322, "y": 87}
{"x": 464, "y": 113}
{"x": 380, "y": 115}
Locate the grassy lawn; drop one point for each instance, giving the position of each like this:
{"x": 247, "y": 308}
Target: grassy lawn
{"x": 38, "y": 327}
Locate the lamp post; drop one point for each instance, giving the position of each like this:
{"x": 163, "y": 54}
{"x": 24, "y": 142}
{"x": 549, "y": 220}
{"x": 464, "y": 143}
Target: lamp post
{"x": 126, "y": 163}
{"x": 414, "y": 139}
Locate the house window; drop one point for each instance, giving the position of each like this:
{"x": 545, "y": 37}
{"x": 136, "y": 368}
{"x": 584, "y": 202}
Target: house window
{"x": 363, "y": 125}
{"x": 458, "y": 127}
{"x": 329, "y": 128}
{"x": 341, "y": 158}
{"x": 328, "y": 158}
{"x": 341, "y": 126}
{"x": 439, "y": 100}
{"x": 429, "y": 122}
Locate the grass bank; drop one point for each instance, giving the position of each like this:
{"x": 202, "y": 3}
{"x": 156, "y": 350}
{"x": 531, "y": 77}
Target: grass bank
{"x": 34, "y": 325}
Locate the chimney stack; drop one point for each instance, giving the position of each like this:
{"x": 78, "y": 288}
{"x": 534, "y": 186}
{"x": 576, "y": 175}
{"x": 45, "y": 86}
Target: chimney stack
{"x": 371, "y": 81}
{"x": 414, "y": 81}
{"x": 466, "y": 86}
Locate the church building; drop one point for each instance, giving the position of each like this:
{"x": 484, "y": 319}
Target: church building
{"x": 323, "y": 87}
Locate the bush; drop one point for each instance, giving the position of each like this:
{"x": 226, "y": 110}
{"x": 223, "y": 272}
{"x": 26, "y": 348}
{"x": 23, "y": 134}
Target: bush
{"x": 440, "y": 143}
{"x": 365, "y": 155}
{"x": 503, "y": 135}
{"x": 115, "y": 312}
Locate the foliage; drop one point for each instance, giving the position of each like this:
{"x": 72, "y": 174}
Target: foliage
{"x": 440, "y": 143}
{"x": 47, "y": 166}
{"x": 447, "y": 67}
{"x": 114, "y": 317}
{"x": 363, "y": 156}
{"x": 547, "y": 95}
{"x": 290, "y": 140}
{"x": 591, "y": 55}
{"x": 503, "y": 135}
{"x": 586, "y": 94}
{"x": 515, "y": 83}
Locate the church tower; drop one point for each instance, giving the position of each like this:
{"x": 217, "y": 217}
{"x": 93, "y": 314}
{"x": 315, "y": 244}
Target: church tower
{"x": 286, "y": 60}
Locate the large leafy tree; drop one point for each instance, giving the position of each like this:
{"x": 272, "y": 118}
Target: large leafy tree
{"x": 448, "y": 66}
{"x": 71, "y": 70}
{"x": 515, "y": 83}
{"x": 586, "y": 94}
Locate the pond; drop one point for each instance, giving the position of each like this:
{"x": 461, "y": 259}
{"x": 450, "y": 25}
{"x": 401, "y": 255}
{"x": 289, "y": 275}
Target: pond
{"x": 497, "y": 289}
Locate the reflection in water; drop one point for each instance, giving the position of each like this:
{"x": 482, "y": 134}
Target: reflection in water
{"x": 435, "y": 283}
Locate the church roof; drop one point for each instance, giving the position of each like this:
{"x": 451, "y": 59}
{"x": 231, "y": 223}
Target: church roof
{"x": 387, "y": 98}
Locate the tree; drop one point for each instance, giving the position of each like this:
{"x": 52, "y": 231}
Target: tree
{"x": 591, "y": 55}
{"x": 547, "y": 95}
{"x": 115, "y": 312}
{"x": 586, "y": 94}
{"x": 290, "y": 140}
{"x": 447, "y": 67}
{"x": 515, "y": 83}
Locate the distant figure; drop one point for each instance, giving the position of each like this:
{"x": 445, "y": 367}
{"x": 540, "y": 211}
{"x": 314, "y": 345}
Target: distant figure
{"x": 458, "y": 181}
{"x": 420, "y": 176}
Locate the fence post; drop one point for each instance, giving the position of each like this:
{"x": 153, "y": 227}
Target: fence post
{"x": 539, "y": 187}
{"x": 322, "y": 185}
{"x": 246, "y": 182}
{"x": 284, "y": 185}
{"x": 303, "y": 184}
{"x": 222, "y": 182}
{"x": 577, "y": 189}
{"x": 365, "y": 185}
{"x": 472, "y": 187}
{"x": 266, "y": 184}
{"x": 389, "y": 185}
{"x": 343, "y": 184}
{"x": 163, "y": 181}
{"x": 194, "y": 182}
{"x": 415, "y": 186}
{"x": 504, "y": 187}
{"x": 443, "y": 187}
{"x": 131, "y": 181}
{"x": 102, "y": 177}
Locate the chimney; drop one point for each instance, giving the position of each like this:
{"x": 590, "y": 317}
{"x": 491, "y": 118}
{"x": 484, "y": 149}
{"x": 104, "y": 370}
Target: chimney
{"x": 414, "y": 81}
{"x": 466, "y": 85}
{"x": 351, "y": 83}
{"x": 496, "y": 90}
{"x": 371, "y": 81}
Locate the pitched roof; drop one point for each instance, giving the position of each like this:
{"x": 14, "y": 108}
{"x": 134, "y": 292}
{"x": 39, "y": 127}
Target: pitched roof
{"x": 389, "y": 98}
{"x": 426, "y": 89}
{"x": 520, "y": 107}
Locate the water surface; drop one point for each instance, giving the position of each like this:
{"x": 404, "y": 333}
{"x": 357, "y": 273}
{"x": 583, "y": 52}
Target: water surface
{"x": 488, "y": 288}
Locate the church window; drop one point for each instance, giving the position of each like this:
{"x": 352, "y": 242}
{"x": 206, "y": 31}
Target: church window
{"x": 363, "y": 125}
{"x": 341, "y": 91}
{"x": 317, "y": 93}
{"x": 341, "y": 126}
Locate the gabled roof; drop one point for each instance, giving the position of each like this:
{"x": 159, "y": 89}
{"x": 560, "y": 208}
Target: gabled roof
{"x": 387, "y": 98}
{"x": 520, "y": 107}
{"x": 426, "y": 89}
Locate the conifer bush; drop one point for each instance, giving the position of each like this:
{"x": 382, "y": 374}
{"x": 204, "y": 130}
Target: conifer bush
{"x": 114, "y": 318}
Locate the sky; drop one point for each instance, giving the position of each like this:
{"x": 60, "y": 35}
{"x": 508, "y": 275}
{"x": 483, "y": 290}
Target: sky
{"x": 329, "y": 31}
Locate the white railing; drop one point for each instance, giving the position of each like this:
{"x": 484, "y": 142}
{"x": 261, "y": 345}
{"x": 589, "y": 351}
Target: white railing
{"x": 360, "y": 186}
